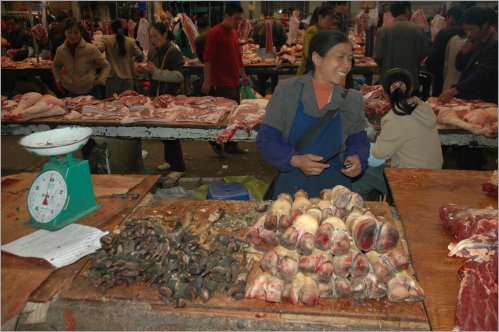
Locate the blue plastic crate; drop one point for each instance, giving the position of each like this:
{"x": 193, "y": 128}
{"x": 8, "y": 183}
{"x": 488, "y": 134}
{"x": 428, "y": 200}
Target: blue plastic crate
{"x": 234, "y": 191}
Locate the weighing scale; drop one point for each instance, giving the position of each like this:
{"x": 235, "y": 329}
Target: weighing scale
{"x": 62, "y": 193}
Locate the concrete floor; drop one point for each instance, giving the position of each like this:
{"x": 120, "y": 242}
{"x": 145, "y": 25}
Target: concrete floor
{"x": 198, "y": 156}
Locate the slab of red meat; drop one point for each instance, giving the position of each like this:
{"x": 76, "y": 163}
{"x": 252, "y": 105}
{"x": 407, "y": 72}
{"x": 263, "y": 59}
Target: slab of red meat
{"x": 464, "y": 222}
{"x": 476, "y": 231}
{"x": 477, "y": 301}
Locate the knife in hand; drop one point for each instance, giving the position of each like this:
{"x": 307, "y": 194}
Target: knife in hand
{"x": 325, "y": 160}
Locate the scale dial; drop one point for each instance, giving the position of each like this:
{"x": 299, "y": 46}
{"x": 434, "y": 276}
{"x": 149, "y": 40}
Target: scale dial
{"x": 47, "y": 196}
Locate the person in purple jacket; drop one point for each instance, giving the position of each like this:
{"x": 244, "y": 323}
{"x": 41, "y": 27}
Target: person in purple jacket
{"x": 298, "y": 104}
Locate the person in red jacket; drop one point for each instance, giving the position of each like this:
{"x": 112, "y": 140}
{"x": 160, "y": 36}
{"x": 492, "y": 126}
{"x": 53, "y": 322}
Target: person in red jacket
{"x": 223, "y": 64}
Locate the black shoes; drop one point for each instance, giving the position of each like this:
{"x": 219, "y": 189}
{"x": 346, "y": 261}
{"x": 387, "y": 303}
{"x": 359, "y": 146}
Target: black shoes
{"x": 217, "y": 149}
{"x": 230, "y": 148}
{"x": 235, "y": 150}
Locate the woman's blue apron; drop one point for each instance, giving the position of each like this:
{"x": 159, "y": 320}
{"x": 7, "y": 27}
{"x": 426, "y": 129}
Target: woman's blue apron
{"x": 325, "y": 143}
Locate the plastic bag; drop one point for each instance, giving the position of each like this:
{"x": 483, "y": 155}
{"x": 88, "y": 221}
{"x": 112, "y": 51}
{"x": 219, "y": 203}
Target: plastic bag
{"x": 174, "y": 192}
{"x": 256, "y": 187}
{"x": 247, "y": 93}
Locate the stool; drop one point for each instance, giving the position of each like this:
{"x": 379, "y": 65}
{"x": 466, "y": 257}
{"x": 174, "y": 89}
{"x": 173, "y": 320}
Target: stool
{"x": 235, "y": 191}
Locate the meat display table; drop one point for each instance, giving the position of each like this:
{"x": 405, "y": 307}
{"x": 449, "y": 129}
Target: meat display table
{"x": 193, "y": 131}
{"x": 30, "y": 279}
{"x": 138, "y": 307}
{"x": 418, "y": 195}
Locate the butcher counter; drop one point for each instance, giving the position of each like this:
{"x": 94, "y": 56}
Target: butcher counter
{"x": 64, "y": 299}
{"x": 67, "y": 300}
{"x": 196, "y": 131}
{"x": 418, "y": 195}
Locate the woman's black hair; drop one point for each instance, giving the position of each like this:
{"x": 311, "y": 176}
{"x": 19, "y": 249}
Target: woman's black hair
{"x": 162, "y": 29}
{"x": 324, "y": 10}
{"x": 117, "y": 28}
{"x": 321, "y": 43}
{"x": 397, "y": 84}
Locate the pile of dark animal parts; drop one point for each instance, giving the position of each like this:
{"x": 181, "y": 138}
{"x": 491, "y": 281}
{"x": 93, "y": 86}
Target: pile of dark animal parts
{"x": 175, "y": 262}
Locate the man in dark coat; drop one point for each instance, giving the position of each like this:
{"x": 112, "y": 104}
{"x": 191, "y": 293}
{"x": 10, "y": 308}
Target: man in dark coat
{"x": 401, "y": 44}
{"x": 477, "y": 60}
{"x": 436, "y": 59}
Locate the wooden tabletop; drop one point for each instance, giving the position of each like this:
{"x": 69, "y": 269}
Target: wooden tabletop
{"x": 344, "y": 313}
{"x": 36, "y": 280}
{"x": 418, "y": 195}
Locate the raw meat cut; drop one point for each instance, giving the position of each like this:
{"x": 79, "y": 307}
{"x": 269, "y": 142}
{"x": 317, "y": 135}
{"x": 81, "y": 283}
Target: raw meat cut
{"x": 476, "y": 231}
{"x": 464, "y": 222}
{"x": 246, "y": 116}
{"x": 477, "y": 300}
{"x": 474, "y": 115}
{"x": 374, "y": 101}
{"x": 243, "y": 29}
{"x": 189, "y": 29}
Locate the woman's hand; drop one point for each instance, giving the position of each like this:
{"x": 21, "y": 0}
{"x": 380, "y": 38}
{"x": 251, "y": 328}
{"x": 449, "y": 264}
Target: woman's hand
{"x": 309, "y": 164}
{"x": 353, "y": 167}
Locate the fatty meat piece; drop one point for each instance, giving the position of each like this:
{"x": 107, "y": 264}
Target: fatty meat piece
{"x": 332, "y": 234}
{"x": 386, "y": 265}
{"x": 360, "y": 264}
{"x": 288, "y": 263}
{"x": 300, "y": 204}
{"x": 280, "y": 213}
{"x": 310, "y": 291}
{"x": 292, "y": 290}
{"x": 266, "y": 287}
{"x": 403, "y": 287}
{"x": 257, "y": 233}
{"x": 342, "y": 265}
{"x": 370, "y": 233}
{"x": 478, "y": 247}
{"x": 27, "y": 100}
{"x": 307, "y": 223}
{"x": 270, "y": 262}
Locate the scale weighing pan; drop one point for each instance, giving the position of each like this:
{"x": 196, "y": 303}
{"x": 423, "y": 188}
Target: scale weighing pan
{"x": 57, "y": 141}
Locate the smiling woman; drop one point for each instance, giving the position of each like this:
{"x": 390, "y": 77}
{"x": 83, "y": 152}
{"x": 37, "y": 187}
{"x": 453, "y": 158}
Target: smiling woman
{"x": 311, "y": 117}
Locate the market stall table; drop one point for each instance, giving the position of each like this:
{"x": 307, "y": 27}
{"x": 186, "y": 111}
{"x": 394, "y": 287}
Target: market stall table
{"x": 418, "y": 195}
{"x": 29, "y": 279}
{"x": 138, "y": 307}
